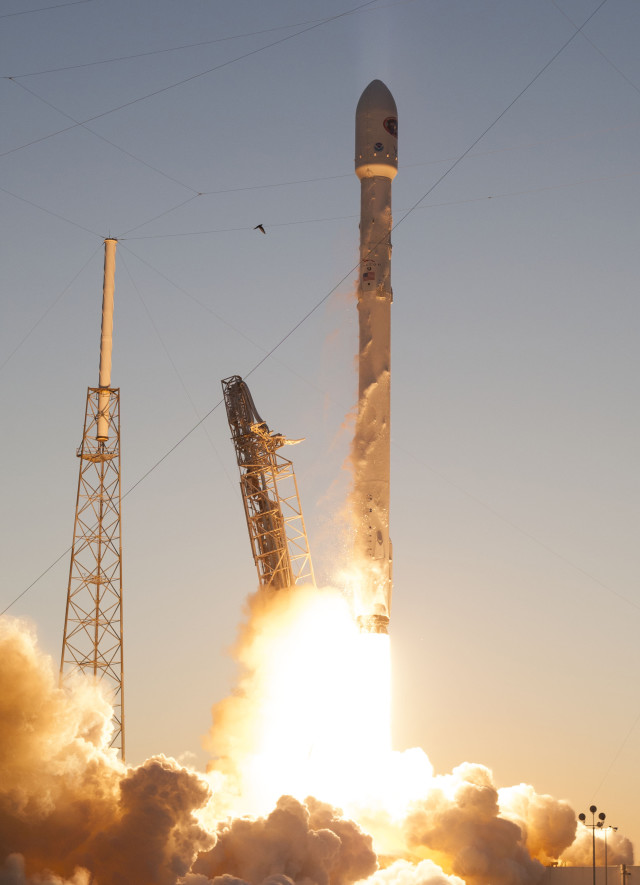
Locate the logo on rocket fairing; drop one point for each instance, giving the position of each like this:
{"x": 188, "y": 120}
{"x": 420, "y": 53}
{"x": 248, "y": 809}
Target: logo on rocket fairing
{"x": 391, "y": 125}
{"x": 369, "y": 276}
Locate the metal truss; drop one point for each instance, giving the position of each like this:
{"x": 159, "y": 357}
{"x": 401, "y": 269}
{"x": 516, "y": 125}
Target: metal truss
{"x": 92, "y": 642}
{"x": 269, "y": 492}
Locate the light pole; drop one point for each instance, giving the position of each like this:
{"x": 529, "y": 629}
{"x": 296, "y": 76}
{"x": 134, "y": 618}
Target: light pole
{"x": 609, "y": 827}
{"x": 592, "y": 826}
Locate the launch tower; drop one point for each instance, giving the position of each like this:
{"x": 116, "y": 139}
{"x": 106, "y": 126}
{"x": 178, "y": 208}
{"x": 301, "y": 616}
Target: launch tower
{"x": 269, "y": 493}
{"x": 92, "y": 642}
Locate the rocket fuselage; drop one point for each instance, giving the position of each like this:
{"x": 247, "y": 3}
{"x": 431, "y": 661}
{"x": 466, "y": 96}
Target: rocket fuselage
{"x": 376, "y": 166}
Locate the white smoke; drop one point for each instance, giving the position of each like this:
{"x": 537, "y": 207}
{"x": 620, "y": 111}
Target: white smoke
{"x": 402, "y": 872}
{"x": 66, "y": 802}
{"x": 72, "y": 814}
{"x": 305, "y": 842}
{"x": 13, "y": 873}
{"x": 548, "y": 825}
{"x": 580, "y": 852}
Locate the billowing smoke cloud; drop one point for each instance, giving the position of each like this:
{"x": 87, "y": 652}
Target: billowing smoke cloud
{"x": 553, "y": 833}
{"x": 66, "y": 803}
{"x": 619, "y": 849}
{"x": 548, "y": 825}
{"x": 13, "y": 873}
{"x": 304, "y": 842}
{"x": 459, "y": 824}
{"x": 461, "y": 821}
{"x": 402, "y": 872}
{"x": 72, "y": 814}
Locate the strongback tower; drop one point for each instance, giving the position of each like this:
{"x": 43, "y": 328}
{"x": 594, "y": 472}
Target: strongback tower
{"x": 269, "y": 493}
{"x": 92, "y": 641}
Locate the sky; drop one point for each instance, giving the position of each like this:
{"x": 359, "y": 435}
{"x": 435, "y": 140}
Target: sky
{"x": 179, "y": 126}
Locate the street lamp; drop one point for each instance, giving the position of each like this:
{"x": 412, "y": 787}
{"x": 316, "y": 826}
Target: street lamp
{"x": 608, "y": 827}
{"x": 592, "y": 826}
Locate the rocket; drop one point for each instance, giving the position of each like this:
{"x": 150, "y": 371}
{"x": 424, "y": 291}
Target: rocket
{"x": 376, "y": 165}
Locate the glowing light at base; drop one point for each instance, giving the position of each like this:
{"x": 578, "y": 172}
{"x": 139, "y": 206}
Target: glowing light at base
{"x": 313, "y": 715}
{"x": 71, "y": 813}
{"x": 311, "y": 718}
{"x": 316, "y": 698}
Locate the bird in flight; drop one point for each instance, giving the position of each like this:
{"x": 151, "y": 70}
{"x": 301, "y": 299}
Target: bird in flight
{"x": 260, "y": 227}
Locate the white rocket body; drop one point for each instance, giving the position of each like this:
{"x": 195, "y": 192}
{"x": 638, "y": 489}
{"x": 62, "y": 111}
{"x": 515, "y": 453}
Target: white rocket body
{"x": 106, "y": 340}
{"x": 376, "y": 166}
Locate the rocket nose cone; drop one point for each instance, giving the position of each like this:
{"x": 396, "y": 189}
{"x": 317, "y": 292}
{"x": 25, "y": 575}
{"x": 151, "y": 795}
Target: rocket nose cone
{"x": 376, "y": 99}
{"x": 376, "y": 132}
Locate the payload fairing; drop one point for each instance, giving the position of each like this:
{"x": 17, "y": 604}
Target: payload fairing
{"x": 376, "y": 166}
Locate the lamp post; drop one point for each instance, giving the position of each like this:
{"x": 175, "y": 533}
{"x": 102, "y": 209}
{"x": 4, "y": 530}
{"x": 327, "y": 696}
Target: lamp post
{"x": 608, "y": 827}
{"x": 592, "y": 826}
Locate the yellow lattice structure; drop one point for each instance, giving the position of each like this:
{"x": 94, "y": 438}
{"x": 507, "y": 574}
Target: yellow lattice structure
{"x": 269, "y": 492}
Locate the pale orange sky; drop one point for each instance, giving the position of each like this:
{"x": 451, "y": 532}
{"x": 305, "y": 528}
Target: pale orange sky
{"x": 515, "y": 324}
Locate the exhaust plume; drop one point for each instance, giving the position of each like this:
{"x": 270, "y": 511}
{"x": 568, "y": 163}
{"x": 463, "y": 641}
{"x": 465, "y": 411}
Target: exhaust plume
{"x": 460, "y": 826}
{"x": 66, "y": 802}
{"x": 304, "y": 842}
{"x": 13, "y": 873}
{"x": 619, "y": 849}
{"x": 298, "y": 741}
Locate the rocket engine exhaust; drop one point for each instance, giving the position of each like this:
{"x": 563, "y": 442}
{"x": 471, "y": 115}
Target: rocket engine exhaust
{"x": 376, "y": 164}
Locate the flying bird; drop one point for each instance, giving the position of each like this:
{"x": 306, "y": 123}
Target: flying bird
{"x": 260, "y": 227}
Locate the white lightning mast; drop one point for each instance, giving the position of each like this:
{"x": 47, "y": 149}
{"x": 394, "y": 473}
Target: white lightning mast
{"x": 92, "y": 641}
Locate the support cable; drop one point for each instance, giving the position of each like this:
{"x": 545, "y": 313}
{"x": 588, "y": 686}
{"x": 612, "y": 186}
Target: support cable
{"x": 615, "y": 758}
{"x": 49, "y": 309}
{"x": 597, "y": 49}
{"x": 499, "y": 117}
{"x": 175, "y": 369}
{"x": 415, "y": 206}
{"x": 497, "y": 196}
{"x": 324, "y": 178}
{"x": 356, "y": 266}
{"x": 44, "y": 8}
{"x": 106, "y": 61}
{"x": 108, "y": 141}
{"x": 239, "y": 331}
{"x": 189, "y": 79}
{"x": 49, "y": 212}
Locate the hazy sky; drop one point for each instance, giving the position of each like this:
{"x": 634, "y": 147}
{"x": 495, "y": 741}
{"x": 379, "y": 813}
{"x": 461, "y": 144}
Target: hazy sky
{"x": 177, "y": 126}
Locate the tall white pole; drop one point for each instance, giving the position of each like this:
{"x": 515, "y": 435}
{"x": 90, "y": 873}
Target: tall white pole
{"x": 376, "y": 166}
{"x": 92, "y": 639}
{"x": 106, "y": 339}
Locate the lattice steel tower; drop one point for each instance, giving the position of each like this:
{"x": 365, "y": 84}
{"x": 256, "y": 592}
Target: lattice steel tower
{"x": 92, "y": 642}
{"x": 269, "y": 493}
